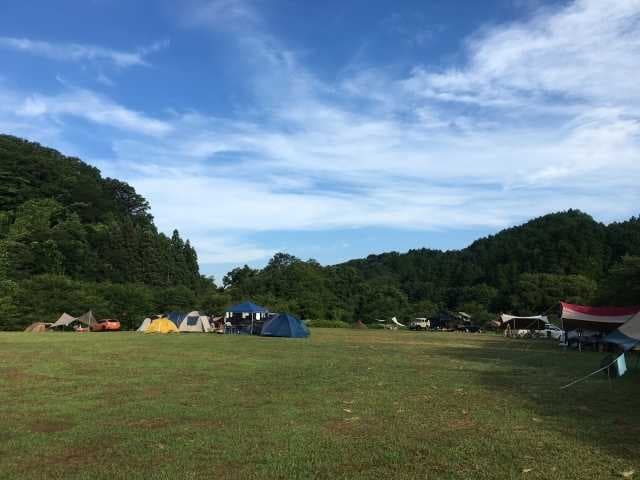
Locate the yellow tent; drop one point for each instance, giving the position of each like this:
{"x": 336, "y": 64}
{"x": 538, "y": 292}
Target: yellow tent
{"x": 162, "y": 325}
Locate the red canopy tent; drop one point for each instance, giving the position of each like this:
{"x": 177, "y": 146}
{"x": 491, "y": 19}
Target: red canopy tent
{"x": 603, "y": 319}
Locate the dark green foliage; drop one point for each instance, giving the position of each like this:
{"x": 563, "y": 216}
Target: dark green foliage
{"x": 524, "y": 270}
{"x": 622, "y": 285}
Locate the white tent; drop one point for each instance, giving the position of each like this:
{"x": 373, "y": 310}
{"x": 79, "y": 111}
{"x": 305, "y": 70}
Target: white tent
{"x": 194, "y": 322}
{"x": 64, "y": 321}
{"x": 145, "y": 324}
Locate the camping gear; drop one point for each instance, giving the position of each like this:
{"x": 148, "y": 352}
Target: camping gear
{"x": 64, "y": 321}
{"x": 600, "y": 319}
{"x": 194, "y": 322}
{"x": 626, "y": 336}
{"x": 162, "y": 325}
{"x": 38, "y": 327}
{"x": 217, "y": 324}
{"x": 613, "y": 367}
{"x": 285, "y": 325}
{"x": 360, "y": 325}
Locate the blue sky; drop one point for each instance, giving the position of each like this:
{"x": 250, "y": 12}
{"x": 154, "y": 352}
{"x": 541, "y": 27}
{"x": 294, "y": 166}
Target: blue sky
{"x": 333, "y": 129}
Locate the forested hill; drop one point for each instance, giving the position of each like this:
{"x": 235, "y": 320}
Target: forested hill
{"x": 58, "y": 215}
{"x": 63, "y": 226}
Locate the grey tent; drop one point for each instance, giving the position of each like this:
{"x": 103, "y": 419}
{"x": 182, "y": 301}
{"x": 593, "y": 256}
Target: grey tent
{"x": 628, "y": 335}
{"x": 64, "y": 321}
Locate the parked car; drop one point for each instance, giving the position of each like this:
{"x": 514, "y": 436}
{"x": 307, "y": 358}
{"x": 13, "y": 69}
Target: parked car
{"x": 549, "y": 331}
{"x": 552, "y": 331}
{"x": 419, "y": 324}
{"x": 106, "y": 325}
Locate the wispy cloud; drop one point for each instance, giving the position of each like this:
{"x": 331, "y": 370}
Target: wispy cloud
{"x": 74, "y": 52}
{"x": 92, "y": 107}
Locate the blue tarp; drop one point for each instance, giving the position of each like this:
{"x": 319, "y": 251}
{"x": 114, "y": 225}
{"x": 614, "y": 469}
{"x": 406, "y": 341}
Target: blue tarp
{"x": 285, "y": 325}
{"x": 247, "y": 307}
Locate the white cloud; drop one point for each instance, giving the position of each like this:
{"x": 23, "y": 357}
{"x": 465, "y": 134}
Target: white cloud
{"x": 575, "y": 53}
{"x": 75, "y": 52}
{"x": 92, "y": 107}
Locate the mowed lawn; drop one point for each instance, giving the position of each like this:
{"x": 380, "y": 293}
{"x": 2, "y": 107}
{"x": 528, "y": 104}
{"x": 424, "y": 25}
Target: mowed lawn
{"x": 342, "y": 404}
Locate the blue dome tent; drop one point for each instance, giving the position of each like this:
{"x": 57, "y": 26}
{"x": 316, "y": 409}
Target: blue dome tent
{"x": 285, "y": 325}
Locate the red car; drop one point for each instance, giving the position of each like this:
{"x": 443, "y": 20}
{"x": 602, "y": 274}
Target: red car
{"x": 106, "y": 325}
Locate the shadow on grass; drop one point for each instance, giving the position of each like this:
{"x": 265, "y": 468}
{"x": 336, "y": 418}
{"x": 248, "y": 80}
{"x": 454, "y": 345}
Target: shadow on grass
{"x": 528, "y": 375}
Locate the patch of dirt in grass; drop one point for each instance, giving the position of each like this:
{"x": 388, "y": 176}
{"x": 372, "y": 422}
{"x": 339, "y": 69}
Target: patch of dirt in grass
{"x": 151, "y": 423}
{"x": 206, "y": 423}
{"x": 352, "y": 427}
{"x": 153, "y": 392}
{"x": 66, "y": 459}
{"x": 461, "y": 423}
{"x": 17, "y": 375}
{"x": 50, "y": 426}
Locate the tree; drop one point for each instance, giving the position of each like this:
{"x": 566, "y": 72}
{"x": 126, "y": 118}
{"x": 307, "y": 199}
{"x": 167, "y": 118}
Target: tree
{"x": 622, "y": 285}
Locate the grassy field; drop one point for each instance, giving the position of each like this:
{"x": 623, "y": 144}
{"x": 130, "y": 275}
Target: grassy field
{"x": 342, "y": 404}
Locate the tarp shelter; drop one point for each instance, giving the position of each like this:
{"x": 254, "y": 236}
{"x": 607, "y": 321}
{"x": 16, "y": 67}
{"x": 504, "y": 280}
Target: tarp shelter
{"x": 285, "y": 325}
{"x": 162, "y": 325}
{"x": 628, "y": 335}
{"x": 87, "y": 318}
{"x": 602, "y": 319}
{"x": 194, "y": 322}
{"x": 38, "y": 327}
{"x": 536, "y": 322}
{"x": 64, "y": 321}
{"x": 247, "y": 307}
{"x": 360, "y": 325}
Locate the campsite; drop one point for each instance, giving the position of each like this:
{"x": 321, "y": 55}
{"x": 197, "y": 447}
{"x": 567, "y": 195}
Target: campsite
{"x": 273, "y": 240}
{"x": 344, "y": 403}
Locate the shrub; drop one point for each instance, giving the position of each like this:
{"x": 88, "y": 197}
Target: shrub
{"x": 327, "y": 324}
